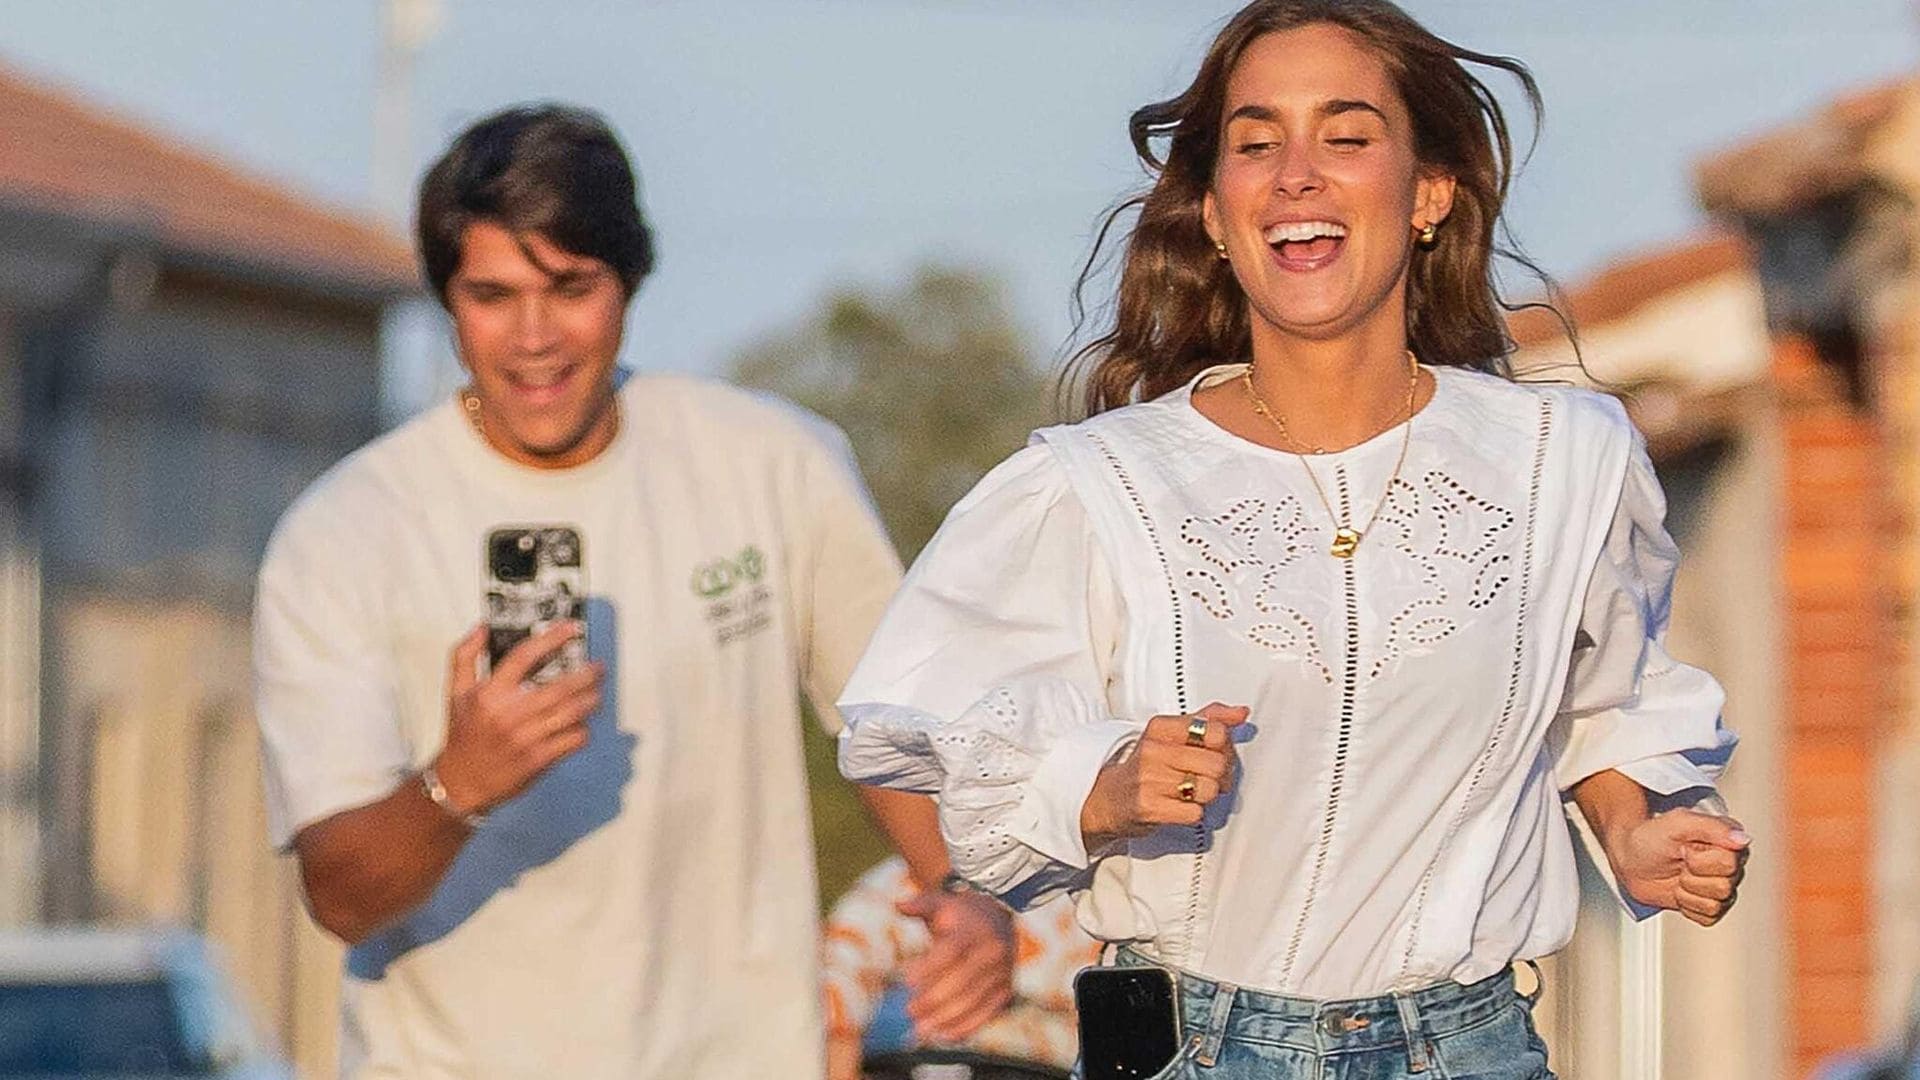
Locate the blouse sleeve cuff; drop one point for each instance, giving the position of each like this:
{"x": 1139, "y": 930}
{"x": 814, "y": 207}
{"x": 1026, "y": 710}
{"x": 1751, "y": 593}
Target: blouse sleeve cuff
{"x": 1668, "y": 774}
{"x": 1048, "y": 819}
{"x": 889, "y": 746}
{"x": 1671, "y": 732}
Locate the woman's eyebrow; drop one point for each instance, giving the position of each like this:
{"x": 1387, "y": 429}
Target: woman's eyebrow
{"x": 1343, "y": 105}
{"x": 1330, "y": 108}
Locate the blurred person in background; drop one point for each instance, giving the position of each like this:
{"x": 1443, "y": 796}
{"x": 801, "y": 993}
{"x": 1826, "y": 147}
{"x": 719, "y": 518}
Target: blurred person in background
{"x": 1426, "y": 602}
{"x": 873, "y": 951}
{"x": 607, "y": 873}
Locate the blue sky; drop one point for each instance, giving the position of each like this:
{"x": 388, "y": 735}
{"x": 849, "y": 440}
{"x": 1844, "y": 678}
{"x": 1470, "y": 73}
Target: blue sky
{"x": 788, "y": 147}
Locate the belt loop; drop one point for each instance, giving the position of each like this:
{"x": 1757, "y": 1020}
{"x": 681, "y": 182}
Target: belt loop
{"x": 1539, "y": 984}
{"x": 1216, "y": 1032}
{"x": 1415, "y": 1031}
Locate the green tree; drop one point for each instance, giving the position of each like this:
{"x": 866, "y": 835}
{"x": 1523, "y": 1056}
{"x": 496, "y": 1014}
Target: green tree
{"x": 933, "y": 385}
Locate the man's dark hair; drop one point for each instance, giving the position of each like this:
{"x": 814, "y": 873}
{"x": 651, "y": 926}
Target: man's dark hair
{"x": 554, "y": 170}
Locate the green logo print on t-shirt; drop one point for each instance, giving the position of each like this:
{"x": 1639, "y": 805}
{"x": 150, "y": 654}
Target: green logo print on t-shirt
{"x": 713, "y": 580}
{"x": 738, "y": 602}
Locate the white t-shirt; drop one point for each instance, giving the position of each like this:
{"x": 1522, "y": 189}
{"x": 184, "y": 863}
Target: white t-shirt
{"x": 647, "y": 909}
{"x": 1417, "y": 710}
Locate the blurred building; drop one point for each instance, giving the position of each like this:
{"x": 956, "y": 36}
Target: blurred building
{"x": 182, "y": 349}
{"x": 1775, "y": 369}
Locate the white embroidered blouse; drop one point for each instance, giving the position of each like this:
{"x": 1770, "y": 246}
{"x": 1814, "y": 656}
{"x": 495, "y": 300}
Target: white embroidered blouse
{"x": 1418, "y": 711}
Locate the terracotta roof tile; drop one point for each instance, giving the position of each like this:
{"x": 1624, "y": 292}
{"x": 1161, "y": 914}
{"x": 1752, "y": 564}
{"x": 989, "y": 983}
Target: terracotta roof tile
{"x": 1623, "y": 287}
{"x": 65, "y": 157}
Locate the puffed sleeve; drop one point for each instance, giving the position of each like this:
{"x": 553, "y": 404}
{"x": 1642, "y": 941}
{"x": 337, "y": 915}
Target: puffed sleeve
{"x": 985, "y": 683}
{"x": 1629, "y": 705}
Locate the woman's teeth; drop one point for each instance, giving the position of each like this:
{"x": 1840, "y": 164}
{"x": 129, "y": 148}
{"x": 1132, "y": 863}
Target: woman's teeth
{"x": 1293, "y": 232}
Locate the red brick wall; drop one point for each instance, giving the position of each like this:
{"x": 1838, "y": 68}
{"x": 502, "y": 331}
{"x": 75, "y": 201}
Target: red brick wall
{"x": 1841, "y": 677}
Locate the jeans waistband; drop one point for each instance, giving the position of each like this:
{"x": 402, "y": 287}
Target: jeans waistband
{"x": 1213, "y": 1012}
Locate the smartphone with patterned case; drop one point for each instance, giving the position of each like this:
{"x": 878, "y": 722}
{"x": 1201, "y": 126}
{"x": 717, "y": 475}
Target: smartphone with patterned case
{"x": 536, "y": 576}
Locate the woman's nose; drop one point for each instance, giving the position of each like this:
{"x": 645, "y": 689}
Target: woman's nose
{"x": 1298, "y": 173}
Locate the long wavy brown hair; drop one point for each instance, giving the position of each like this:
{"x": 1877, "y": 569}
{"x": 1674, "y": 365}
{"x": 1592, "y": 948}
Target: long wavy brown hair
{"x": 1179, "y": 307}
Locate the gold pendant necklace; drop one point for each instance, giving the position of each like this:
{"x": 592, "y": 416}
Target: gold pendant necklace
{"x": 1346, "y": 538}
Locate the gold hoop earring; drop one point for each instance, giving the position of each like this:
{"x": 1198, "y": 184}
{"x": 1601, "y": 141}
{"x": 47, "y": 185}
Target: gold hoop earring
{"x": 1429, "y": 236}
{"x": 1221, "y": 247}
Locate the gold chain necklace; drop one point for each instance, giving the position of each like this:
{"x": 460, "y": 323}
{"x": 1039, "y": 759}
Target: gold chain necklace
{"x": 1346, "y": 539}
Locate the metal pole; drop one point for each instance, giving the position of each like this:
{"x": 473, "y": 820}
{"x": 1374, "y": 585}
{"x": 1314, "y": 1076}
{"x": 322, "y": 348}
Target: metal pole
{"x": 57, "y": 345}
{"x": 1641, "y": 1006}
{"x": 406, "y": 28}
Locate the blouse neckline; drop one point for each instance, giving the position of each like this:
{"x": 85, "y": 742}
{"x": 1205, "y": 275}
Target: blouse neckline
{"x": 1442, "y": 392}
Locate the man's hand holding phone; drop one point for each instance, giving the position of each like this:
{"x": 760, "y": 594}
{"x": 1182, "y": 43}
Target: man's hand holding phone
{"x": 503, "y": 731}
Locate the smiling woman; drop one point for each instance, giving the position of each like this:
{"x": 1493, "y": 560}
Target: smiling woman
{"x": 1397, "y": 92}
{"x": 1287, "y": 659}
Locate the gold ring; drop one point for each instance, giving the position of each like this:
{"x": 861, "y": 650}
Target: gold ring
{"x": 1186, "y": 788}
{"x": 1196, "y": 730}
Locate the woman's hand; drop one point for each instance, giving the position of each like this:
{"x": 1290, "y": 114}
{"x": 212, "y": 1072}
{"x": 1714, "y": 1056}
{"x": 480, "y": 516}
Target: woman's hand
{"x": 1169, "y": 778}
{"x": 1684, "y": 861}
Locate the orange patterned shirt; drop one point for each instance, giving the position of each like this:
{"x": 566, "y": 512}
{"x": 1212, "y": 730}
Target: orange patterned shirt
{"x": 867, "y": 943}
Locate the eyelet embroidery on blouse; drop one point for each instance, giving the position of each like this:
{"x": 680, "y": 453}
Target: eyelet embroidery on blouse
{"x": 1242, "y": 522}
{"x": 1453, "y": 537}
{"x": 1490, "y": 579}
{"x": 1343, "y": 740}
{"x": 1166, "y": 568}
{"x": 1251, "y": 535}
{"x": 993, "y": 757}
{"x": 1179, "y": 672}
{"x": 987, "y": 838}
{"x": 1469, "y": 518}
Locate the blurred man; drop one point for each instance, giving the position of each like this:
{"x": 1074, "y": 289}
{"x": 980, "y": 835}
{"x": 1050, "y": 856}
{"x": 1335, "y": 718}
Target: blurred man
{"x": 607, "y": 872}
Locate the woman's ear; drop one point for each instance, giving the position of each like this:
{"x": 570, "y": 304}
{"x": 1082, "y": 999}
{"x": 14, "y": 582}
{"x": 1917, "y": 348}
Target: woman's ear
{"x": 1432, "y": 199}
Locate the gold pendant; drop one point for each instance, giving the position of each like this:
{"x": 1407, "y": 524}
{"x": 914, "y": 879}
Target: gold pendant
{"x": 1345, "y": 542}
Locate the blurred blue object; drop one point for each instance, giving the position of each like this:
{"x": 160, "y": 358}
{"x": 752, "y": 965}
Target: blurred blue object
{"x": 891, "y": 1029}
{"x": 1897, "y": 1063}
{"x": 1868, "y": 1068}
{"x": 128, "y": 1004}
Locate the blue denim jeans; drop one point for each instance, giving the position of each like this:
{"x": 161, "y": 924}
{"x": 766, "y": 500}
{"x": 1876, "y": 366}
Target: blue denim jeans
{"x": 1441, "y": 1032}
